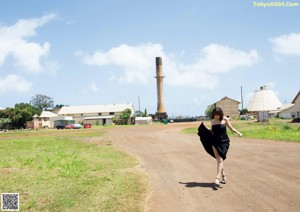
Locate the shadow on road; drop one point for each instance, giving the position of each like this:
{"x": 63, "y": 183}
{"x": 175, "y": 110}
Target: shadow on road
{"x": 203, "y": 185}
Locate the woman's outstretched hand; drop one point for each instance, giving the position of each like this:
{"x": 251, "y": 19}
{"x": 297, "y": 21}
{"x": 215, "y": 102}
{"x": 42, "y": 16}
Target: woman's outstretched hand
{"x": 240, "y": 134}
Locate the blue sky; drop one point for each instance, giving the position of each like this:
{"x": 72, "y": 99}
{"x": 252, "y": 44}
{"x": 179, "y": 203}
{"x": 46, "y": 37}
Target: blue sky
{"x": 103, "y": 52}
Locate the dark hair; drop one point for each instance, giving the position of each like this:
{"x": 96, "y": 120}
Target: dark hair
{"x": 217, "y": 111}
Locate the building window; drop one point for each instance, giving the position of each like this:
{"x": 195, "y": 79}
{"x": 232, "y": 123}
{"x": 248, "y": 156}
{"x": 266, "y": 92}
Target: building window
{"x": 111, "y": 113}
{"x": 99, "y": 114}
{"x": 81, "y": 114}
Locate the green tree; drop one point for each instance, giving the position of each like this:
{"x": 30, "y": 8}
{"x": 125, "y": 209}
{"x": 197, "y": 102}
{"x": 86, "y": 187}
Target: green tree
{"x": 138, "y": 113}
{"x": 145, "y": 114}
{"x": 114, "y": 119}
{"x": 209, "y": 110}
{"x": 244, "y": 111}
{"x": 19, "y": 114}
{"x": 4, "y": 122}
{"x": 126, "y": 114}
{"x": 57, "y": 106}
{"x": 42, "y": 102}
{"x": 24, "y": 112}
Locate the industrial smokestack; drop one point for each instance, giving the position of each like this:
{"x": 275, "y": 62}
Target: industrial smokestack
{"x": 161, "y": 113}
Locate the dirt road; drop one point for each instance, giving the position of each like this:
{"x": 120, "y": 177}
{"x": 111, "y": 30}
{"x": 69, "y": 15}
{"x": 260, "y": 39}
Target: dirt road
{"x": 262, "y": 175}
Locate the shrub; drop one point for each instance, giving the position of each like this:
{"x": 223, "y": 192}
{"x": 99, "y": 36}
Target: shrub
{"x": 286, "y": 127}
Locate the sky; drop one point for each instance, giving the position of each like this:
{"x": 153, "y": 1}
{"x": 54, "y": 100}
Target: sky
{"x": 103, "y": 52}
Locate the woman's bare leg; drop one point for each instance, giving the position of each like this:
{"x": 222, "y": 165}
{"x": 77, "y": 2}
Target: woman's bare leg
{"x": 224, "y": 179}
{"x": 223, "y": 173}
{"x": 220, "y": 170}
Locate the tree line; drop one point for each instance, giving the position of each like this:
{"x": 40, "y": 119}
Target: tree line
{"x": 17, "y": 116}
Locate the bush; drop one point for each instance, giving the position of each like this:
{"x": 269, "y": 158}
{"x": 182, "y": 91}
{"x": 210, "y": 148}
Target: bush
{"x": 286, "y": 127}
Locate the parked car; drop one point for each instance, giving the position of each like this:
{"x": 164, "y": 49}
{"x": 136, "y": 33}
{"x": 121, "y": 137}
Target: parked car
{"x": 69, "y": 126}
{"x": 60, "y": 126}
{"x": 77, "y": 126}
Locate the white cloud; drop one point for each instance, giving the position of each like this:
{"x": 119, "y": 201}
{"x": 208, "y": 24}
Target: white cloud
{"x": 52, "y": 67}
{"x": 138, "y": 64}
{"x": 199, "y": 100}
{"x": 13, "y": 42}
{"x": 217, "y": 59}
{"x": 288, "y": 44}
{"x": 92, "y": 88}
{"x": 182, "y": 53}
{"x": 14, "y": 84}
{"x": 70, "y": 22}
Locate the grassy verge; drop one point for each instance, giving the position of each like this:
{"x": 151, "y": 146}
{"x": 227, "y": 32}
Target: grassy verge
{"x": 279, "y": 130}
{"x": 57, "y": 171}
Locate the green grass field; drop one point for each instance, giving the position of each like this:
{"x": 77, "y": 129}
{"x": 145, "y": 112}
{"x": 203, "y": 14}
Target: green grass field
{"x": 59, "y": 170}
{"x": 275, "y": 129}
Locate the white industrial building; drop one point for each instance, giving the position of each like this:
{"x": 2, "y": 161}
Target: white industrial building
{"x": 44, "y": 120}
{"x": 101, "y": 114}
{"x": 295, "y": 111}
{"x": 284, "y": 112}
{"x": 290, "y": 110}
{"x": 91, "y": 114}
{"x": 262, "y": 102}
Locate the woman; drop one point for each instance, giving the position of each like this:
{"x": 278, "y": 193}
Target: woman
{"x": 216, "y": 141}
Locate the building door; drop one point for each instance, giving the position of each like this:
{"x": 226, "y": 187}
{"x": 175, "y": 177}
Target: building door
{"x": 104, "y": 121}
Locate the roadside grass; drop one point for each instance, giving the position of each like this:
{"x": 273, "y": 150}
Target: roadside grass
{"x": 275, "y": 129}
{"x": 60, "y": 172}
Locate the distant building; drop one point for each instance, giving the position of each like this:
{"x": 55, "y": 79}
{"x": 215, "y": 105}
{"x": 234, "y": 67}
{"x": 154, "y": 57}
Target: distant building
{"x": 45, "y": 120}
{"x": 283, "y": 112}
{"x": 229, "y": 106}
{"x": 46, "y": 117}
{"x": 101, "y": 114}
{"x": 262, "y": 102}
{"x": 295, "y": 111}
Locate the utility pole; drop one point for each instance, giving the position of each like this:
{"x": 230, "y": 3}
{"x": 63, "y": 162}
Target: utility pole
{"x": 242, "y": 99}
{"x": 139, "y": 104}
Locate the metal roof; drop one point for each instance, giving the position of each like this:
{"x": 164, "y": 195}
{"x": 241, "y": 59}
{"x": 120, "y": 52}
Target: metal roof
{"x": 294, "y": 100}
{"x": 47, "y": 114}
{"x": 98, "y": 117}
{"x": 95, "y": 108}
{"x": 283, "y": 108}
{"x": 263, "y": 100}
{"x": 227, "y": 98}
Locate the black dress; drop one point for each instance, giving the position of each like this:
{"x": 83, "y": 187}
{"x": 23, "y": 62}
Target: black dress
{"x": 219, "y": 139}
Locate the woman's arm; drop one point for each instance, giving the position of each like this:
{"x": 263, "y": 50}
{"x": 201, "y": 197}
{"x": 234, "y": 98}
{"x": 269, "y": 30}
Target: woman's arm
{"x": 227, "y": 122}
